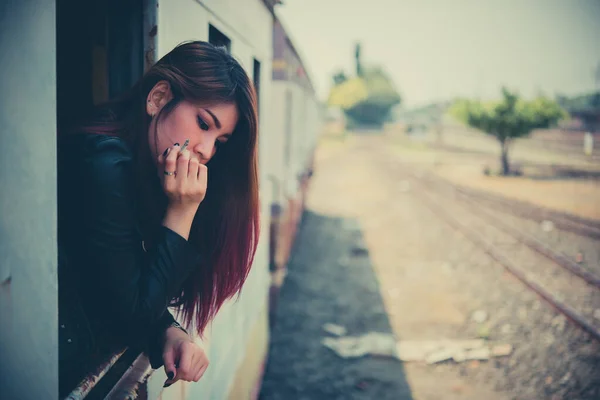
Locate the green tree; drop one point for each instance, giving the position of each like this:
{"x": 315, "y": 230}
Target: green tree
{"x": 508, "y": 119}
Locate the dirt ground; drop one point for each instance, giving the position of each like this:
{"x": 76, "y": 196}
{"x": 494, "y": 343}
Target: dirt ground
{"x": 421, "y": 280}
{"x": 461, "y": 157}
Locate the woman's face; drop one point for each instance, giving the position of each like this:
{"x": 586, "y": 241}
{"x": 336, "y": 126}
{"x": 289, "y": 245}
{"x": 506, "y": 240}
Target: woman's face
{"x": 206, "y": 126}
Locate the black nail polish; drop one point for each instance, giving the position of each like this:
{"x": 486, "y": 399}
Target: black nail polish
{"x": 166, "y": 385}
{"x": 171, "y": 375}
{"x": 165, "y": 152}
{"x": 176, "y": 144}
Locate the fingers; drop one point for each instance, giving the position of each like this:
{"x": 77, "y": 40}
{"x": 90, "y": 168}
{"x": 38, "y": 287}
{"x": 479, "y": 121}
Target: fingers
{"x": 191, "y": 366}
{"x": 203, "y": 174}
{"x": 183, "y": 163}
{"x": 193, "y": 167}
{"x": 171, "y": 159}
{"x": 169, "y": 362}
{"x": 185, "y": 366}
{"x": 203, "y": 367}
{"x": 185, "y": 370}
{"x": 184, "y": 178}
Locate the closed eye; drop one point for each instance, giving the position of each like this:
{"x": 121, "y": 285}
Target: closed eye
{"x": 203, "y": 125}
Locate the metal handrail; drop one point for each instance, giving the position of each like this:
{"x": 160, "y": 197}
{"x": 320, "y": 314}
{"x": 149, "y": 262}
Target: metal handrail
{"x": 87, "y": 384}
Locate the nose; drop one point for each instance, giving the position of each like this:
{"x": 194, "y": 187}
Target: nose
{"x": 204, "y": 150}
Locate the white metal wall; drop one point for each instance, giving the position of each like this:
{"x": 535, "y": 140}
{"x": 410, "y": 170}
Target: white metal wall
{"x": 248, "y": 24}
{"x": 302, "y": 131}
{"x": 28, "y": 242}
{"x": 28, "y": 301}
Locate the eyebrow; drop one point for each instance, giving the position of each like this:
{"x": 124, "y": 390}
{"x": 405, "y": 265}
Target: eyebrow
{"x": 214, "y": 117}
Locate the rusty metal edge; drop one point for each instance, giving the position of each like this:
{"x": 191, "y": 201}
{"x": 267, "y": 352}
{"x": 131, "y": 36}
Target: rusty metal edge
{"x": 132, "y": 384}
{"x": 87, "y": 384}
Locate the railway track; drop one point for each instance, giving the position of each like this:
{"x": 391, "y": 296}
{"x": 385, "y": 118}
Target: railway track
{"x": 562, "y": 283}
{"x": 488, "y": 212}
{"x": 564, "y": 221}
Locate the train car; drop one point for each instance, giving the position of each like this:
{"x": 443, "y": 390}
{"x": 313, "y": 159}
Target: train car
{"x": 65, "y": 54}
{"x": 296, "y": 116}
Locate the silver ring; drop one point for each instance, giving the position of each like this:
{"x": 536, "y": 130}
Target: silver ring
{"x": 169, "y": 173}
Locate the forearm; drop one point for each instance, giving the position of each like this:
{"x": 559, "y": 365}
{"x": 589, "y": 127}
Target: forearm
{"x": 134, "y": 292}
{"x": 180, "y": 220}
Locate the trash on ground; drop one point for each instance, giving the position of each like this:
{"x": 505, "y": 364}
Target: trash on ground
{"x": 482, "y": 353}
{"x": 547, "y": 226}
{"x": 373, "y": 343}
{"x": 501, "y": 350}
{"x": 479, "y": 316}
{"x": 417, "y": 350}
{"x": 334, "y": 329}
{"x": 430, "y": 351}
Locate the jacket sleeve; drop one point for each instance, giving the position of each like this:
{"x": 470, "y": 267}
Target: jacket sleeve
{"x": 154, "y": 346}
{"x": 129, "y": 288}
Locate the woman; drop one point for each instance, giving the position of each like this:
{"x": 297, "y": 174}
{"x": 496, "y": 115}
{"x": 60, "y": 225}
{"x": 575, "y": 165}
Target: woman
{"x": 145, "y": 224}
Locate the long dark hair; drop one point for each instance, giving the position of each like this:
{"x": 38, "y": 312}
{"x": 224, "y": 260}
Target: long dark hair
{"x": 226, "y": 227}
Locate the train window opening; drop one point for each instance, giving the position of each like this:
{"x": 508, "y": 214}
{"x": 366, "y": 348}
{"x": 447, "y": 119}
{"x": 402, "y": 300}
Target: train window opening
{"x": 99, "y": 52}
{"x": 287, "y": 155}
{"x": 256, "y": 79}
{"x": 218, "y": 38}
{"x": 99, "y": 55}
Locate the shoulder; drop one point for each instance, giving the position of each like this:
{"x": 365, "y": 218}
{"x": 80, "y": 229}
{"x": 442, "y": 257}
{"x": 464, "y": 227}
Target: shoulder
{"x": 96, "y": 158}
{"x": 93, "y": 146}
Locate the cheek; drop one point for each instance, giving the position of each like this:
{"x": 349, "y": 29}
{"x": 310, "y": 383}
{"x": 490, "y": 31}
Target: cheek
{"x": 173, "y": 131}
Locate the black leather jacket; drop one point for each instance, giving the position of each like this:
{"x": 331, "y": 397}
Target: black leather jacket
{"x": 105, "y": 274}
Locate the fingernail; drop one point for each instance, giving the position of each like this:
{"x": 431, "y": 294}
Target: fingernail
{"x": 166, "y": 385}
{"x": 176, "y": 144}
{"x": 171, "y": 375}
{"x": 165, "y": 152}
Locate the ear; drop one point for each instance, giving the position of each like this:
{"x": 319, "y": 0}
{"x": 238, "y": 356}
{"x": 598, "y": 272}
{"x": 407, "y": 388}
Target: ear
{"x": 157, "y": 97}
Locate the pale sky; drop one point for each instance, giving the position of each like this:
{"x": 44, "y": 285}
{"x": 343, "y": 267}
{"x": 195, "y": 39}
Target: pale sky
{"x": 438, "y": 49}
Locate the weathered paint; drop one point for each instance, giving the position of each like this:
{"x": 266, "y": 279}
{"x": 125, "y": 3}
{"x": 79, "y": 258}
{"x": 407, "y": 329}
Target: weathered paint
{"x": 246, "y": 383}
{"x": 88, "y": 383}
{"x": 28, "y": 251}
{"x": 133, "y": 383}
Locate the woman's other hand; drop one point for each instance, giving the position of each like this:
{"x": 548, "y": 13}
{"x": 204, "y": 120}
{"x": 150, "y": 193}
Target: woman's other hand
{"x": 184, "y": 178}
{"x": 183, "y": 359}
{"x": 184, "y": 181}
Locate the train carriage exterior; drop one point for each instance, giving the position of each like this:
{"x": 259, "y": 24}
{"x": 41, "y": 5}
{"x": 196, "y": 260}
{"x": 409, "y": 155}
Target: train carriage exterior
{"x": 114, "y": 42}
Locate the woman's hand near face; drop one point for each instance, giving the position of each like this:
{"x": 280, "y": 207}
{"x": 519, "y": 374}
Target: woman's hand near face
{"x": 184, "y": 181}
{"x": 183, "y": 359}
